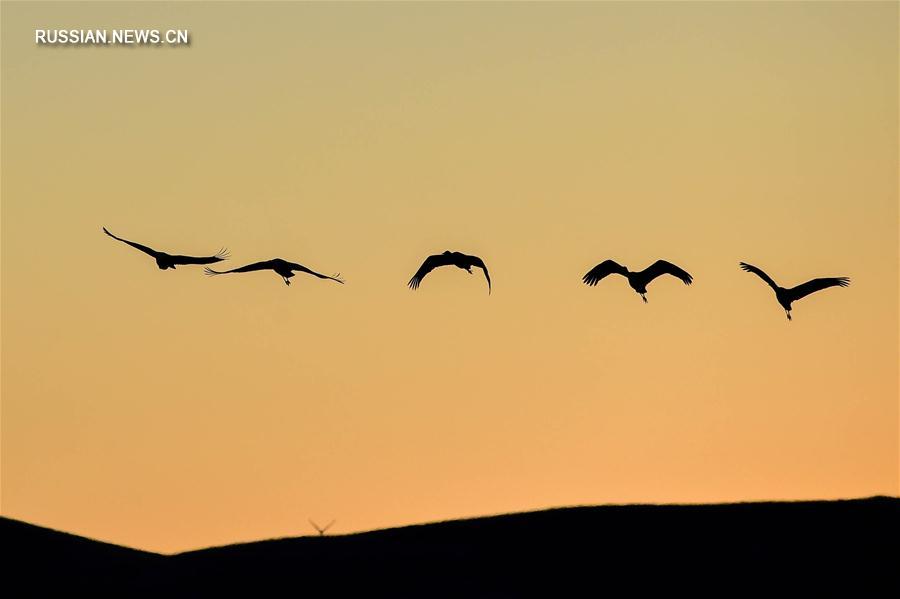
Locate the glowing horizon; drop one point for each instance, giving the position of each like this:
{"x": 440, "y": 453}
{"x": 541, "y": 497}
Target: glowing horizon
{"x": 166, "y": 410}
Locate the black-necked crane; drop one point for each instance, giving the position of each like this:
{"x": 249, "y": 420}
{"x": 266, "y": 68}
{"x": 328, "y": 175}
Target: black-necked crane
{"x": 639, "y": 279}
{"x": 448, "y": 258}
{"x": 786, "y": 297}
{"x": 281, "y": 267}
{"x": 164, "y": 260}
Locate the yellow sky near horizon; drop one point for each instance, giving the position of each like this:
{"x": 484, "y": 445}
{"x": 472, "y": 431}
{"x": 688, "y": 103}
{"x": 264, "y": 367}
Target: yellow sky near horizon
{"x": 170, "y": 411}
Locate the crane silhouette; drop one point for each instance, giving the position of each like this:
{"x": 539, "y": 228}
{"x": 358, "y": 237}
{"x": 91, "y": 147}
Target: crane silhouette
{"x": 164, "y": 260}
{"x": 786, "y": 297}
{"x": 638, "y": 280}
{"x": 449, "y": 258}
{"x": 282, "y": 267}
{"x": 321, "y": 529}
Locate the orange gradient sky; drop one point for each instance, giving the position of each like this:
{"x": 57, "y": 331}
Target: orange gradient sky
{"x": 169, "y": 411}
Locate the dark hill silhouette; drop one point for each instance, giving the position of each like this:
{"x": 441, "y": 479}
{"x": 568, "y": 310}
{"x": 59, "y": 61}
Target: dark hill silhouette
{"x": 807, "y": 548}
{"x": 41, "y": 560}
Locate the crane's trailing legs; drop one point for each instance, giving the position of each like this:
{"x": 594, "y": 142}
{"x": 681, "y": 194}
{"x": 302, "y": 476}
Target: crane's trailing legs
{"x": 286, "y": 274}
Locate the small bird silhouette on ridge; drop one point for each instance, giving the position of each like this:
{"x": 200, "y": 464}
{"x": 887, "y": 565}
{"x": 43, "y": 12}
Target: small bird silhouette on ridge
{"x": 638, "y": 280}
{"x": 786, "y": 297}
{"x": 164, "y": 260}
{"x": 449, "y": 258}
{"x": 321, "y": 529}
{"x": 282, "y": 267}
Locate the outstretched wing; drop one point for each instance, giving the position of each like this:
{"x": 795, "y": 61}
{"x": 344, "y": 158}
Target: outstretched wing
{"x": 301, "y": 268}
{"x": 138, "y": 246}
{"x": 431, "y": 262}
{"x": 760, "y": 274}
{"x": 220, "y": 255}
{"x": 476, "y": 261}
{"x": 265, "y": 265}
{"x": 603, "y": 269}
{"x": 661, "y": 267}
{"x": 805, "y": 289}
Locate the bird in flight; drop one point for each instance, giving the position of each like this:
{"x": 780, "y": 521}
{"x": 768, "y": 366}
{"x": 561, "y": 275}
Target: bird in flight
{"x": 449, "y": 258}
{"x": 321, "y": 529}
{"x": 282, "y": 267}
{"x": 786, "y": 297}
{"x": 638, "y": 280}
{"x": 164, "y": 260}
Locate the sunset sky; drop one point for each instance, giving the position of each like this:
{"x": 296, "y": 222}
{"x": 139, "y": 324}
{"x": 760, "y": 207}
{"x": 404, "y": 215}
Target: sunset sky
{"x": 168, "y": 411}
